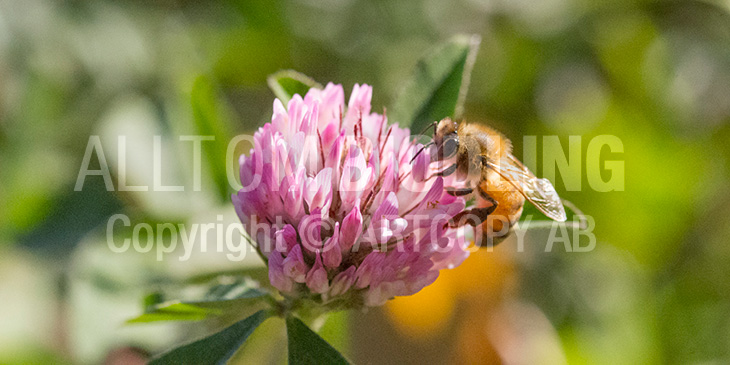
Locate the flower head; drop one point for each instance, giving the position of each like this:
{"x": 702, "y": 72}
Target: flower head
{"x": 338, "y": 209}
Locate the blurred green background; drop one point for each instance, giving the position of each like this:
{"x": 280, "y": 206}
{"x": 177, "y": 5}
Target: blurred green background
{"x": 654, "y": 73}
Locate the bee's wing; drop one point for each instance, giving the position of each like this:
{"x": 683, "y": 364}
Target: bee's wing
{"x": 540, "y": 192}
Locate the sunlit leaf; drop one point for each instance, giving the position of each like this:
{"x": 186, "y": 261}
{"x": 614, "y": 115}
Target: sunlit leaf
{"x": 217, "y": 348}
{"x": 239, "y": 289}
{"x": 211, "y": 120}
{"x": 438, "y": 86}
{"x": 175, "y": 312}
{"x": 331, "y": 331}
{"x": 306, "y": 347}
{"x": 217, "y": 297}
{"x": 286, "y": 83}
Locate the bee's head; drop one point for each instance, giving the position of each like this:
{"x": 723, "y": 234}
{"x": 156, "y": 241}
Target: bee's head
{"x": 445, "y": 139}
{"x": 445, "y": 128}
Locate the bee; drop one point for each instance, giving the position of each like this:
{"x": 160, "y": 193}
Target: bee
{"x": 482, "y": 159}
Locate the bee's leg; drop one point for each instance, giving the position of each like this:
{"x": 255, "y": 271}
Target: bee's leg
{"x": 468, "y": 216}
{"x": 499, "y": 239}
{"x": 491, "y": 241}
{"x": 483, "y": 194}
{"x": 458, "y": 191}
{"x": 446, "y": 172}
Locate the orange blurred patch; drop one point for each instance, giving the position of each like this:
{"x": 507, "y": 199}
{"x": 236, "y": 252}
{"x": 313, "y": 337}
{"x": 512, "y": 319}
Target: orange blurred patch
{"x": 426, "y": 314}
{"x": 481, "y": 279}
{"x": 484, "y": 275}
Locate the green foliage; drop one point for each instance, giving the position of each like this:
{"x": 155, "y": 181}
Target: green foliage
{"x": 238, "y": 289}
{"x": 217, "y": 348}
{"x": 211, "y": 120}
{"x": 654, "y": 74}
{"x": 337, "y": 324}
{"x": 175, "y": 312}
{"x": 218, "y": 297}
{"x": 437, "y": 88}
{"x": 306, "y": 347}
{"x": 286, "y": 83}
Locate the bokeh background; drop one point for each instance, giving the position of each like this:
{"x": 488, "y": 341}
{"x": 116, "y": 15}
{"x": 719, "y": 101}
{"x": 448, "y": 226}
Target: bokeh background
{"x": 656, "y": 289}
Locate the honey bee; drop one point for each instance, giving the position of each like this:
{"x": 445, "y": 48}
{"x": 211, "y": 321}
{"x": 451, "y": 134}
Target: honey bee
{"x": 482, "y": 159}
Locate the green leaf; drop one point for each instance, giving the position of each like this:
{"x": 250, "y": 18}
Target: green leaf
{"x": 331, "y": 331}
{"x": 152, "y": 299}
{"x": 286, "y": 83}
{"x": 240, "y": 289}
{"x": 218, "y": 296}
{"x": 306, "y": 347}
{"x": 437, "y": 89}
{"x": 175, "y": 312}
{"x": 217, "y": 348}
{"x": 211, "y": 119}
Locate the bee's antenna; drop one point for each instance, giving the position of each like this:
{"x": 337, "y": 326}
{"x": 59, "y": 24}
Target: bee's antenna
{"x": 432, "y": 125}
{"x": 421, "y": 150}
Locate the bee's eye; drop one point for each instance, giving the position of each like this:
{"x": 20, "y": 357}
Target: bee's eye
{"x": 449, "y": 147}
